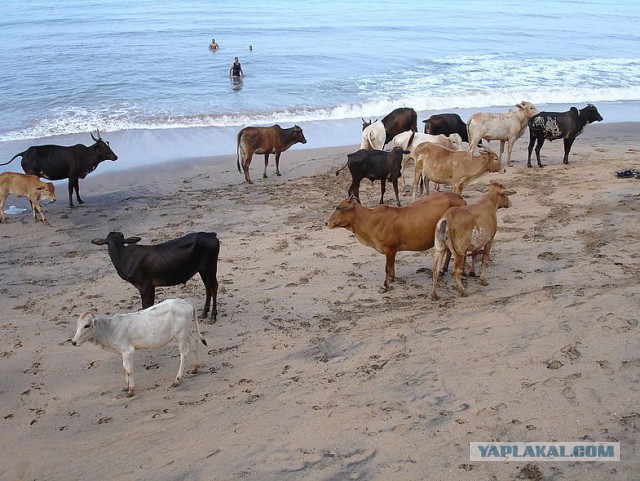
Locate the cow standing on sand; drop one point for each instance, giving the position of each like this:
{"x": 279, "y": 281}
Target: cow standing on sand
{"x": 265, "y": 140}
{"x": 391, "y": 229}
{"x": 167, "y": 264}
{"x": 506, "y": 127}
{"x": 55, "y": 162}
{"x": 29, "y": 186}
{"x": 468, "y": 230}
{"x": 150, "y": 328}
{"x": 559, "y": 125}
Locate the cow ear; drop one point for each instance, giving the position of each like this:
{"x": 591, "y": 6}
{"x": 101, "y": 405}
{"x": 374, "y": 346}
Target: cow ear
{"x": 132, "y": 240}
{"x": 99, "y": 242}
{"x": 40, "y": 187}
{"x": 509, "y": 192}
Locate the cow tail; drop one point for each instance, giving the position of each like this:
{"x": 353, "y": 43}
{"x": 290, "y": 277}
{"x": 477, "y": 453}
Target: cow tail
{"x": 238, "y": 150}
{"x": 413, "y": 134}
{"x": 195, "y": 318}
{"x": 338, "y": 171}
{"x": 441, "y": 234}
{"x": 17, "y": 155}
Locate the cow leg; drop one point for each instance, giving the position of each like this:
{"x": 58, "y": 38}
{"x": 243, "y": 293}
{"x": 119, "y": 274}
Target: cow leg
{"x": 183, "y": 346}
{"x": 70, "y": 187}
{"x": 485, "y": 261}
{"x": 567, "y": 148}
{"x": 35, "y": 207}
{"x": 458, "y": 266}
{"x": 148, "y": 295}
{"x": 390, "y": 268}
{"x": 395, "y": 189}
{"x": 266, "y": 162}
{"x": 3, "y": 198}
{"x": 211, "y": 289}
{"x": 383, "y": 187}
{"x": 278, "y": 164}
{"x": 532, "y": 141}
{"x": 246, "y": 162}
{"x": 437, "y": 262}
{"x": 127, "y": 363}
{"x": 447, "y": 259}
{"x": 501, "y": 151}
{"x": 354, "y": 189}
{"x": 193, "y": 342}
{"x": 538, "y": 149}
{"x": 76, "y": 186}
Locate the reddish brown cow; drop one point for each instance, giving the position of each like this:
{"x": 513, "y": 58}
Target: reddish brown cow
{"x": 29, "y": 186}
{"x": 391, "y": 229}
{"x": 469, "y": 229}
{"x": 265, "y": 140}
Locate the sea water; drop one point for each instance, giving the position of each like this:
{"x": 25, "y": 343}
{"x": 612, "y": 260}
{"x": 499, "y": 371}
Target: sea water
{"x": 136, "y": 68}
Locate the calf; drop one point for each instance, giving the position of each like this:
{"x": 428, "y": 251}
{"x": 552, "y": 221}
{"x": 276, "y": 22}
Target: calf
{"x": 374, "y": 164}
{"x": 507, "y": 127}
{"x": 468, "y": 229}
{"x": 29, "y": 186}
{"x": 168, "y": 264}
{"x": 457, "y": 168}
{"x": 392, "y": 229}
{"x": 150, "y": 328}
{"x": 265, "y": 140}
{"x": 446, "y": 124}
{"x": 559, "y": 125}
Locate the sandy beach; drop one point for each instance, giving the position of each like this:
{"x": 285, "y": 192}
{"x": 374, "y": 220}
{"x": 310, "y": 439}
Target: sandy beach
{"x": 311, "y": 372}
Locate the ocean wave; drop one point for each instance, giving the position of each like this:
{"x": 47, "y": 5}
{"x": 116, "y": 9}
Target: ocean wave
{"x": 467, "y": 82}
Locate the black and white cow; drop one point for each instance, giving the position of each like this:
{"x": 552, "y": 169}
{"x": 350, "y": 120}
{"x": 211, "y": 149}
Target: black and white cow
{"x": 559, "y": 125}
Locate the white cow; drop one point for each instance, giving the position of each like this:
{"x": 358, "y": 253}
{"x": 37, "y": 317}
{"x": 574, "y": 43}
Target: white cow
{"x": 506, "y": 127}
{"x": 409, "y": 140}
{"x": 149, "y": 328}
{"x": 374, "y": 136}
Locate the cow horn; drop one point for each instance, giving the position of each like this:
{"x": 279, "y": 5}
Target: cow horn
{"x": 98, "y": 132}
{"x": 509, "y": 192}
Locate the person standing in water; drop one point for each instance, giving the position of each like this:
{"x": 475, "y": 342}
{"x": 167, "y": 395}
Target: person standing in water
{"x": 213, "y": 45}
{"x": 236, "y": 69}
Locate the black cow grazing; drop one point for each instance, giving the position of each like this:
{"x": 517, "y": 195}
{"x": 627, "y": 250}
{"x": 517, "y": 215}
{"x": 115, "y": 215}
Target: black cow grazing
{"x": 446, "y": 124}
{"x": 55, "y": 162}
{"x": 168, "y": 264}
{"x": 559, "y": 125}
{"x": 374, "y": 164}
{"x": 398, "y": 121}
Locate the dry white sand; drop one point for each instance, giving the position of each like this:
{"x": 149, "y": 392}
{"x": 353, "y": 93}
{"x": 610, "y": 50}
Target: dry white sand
{"x": 311, "y": 372}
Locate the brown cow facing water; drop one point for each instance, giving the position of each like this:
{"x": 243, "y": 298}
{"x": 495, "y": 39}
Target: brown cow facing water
{"x": 265, "y": 140}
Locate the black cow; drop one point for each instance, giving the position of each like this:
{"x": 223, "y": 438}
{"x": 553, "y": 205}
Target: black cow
{"x": 374, "y": 164}
{"x": 559, "y": 125}
{"x": 446, "y": 124}
{"x": 398, "y": 121}
{"x": 168, "y": 264}
{"x": 55, "y": 162}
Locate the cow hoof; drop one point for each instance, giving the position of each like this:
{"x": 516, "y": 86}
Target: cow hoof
{"x": 510, "y": 164}
{"x": 176, "y": 383}
{"x": 383, "y": 289}
{"x": 529, "y": 165}
{"x": 483, "y": 282}
{"x": 129, "y": 393}
{"x": 194, "y": 370}
{"x": 472, "y": 274}
{"x": 541, "y": 165}
{"x": 279, "y": 174}
{"x": 434, "y": 297}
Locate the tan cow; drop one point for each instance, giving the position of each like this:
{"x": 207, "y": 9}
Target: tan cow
{"x": 457, "y": 168}
{"x": 29, "y": 186}
{"x": 506, "y": 127}
{"x": 392, "y": 229}
{"x": 469, "y": 229}
{"x": 265, "y": 140}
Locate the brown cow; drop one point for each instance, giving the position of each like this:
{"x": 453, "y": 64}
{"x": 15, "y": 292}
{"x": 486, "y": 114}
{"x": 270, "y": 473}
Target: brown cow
{"x": 29, "y": 186}
{"x": 454, "y": 167}
{"x": 469, "y": 229}
{"x": 391, "y": 229}
{"x": 265, "y": 140}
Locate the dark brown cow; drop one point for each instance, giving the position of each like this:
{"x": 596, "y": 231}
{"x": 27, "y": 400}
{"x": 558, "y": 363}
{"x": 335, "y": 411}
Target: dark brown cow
{"x": 265, "y": 140}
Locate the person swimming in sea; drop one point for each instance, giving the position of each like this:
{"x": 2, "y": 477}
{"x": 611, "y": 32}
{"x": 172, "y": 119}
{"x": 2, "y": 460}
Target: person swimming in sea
{"x": 236, "y": 69}
{"x": 213, "y": 45}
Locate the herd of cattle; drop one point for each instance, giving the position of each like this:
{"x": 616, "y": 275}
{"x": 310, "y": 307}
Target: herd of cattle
{"x": 442, "y": 220}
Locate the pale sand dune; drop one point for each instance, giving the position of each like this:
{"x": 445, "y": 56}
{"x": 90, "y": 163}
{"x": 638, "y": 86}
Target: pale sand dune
{"x": 310, "y": 372}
